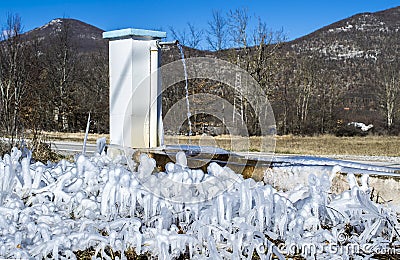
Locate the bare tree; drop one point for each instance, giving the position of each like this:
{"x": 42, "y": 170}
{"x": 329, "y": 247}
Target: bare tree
{"x": 389, "y": 91}
{"x": 257, "y": 48}
{"x": 264, "y": 59}
{"x": 190, "y": 38}
{"x": 14, "y": 74}
{"x": 238, "y": 21}
{"x": 61, "y": 73}
{"x": 93, "y": 93}
{"x": 195, "y": 36}
{"x": 181, "y": 36}
{"x": 255, "y": 52}
{"x": 303, "y": 98}
{"x": 217, "y": 34}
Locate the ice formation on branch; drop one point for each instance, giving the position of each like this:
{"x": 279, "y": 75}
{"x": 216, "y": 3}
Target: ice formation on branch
{"x": 56, "y": 209}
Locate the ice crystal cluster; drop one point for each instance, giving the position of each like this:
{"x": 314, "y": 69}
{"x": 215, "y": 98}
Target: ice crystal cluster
{"x": 54, "y": 210}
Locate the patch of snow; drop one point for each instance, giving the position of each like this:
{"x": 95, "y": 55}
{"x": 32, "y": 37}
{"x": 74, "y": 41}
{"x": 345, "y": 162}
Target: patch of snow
{"x": 346, "y": 28}
{"x": 351, "y": 54}
{"x": 362, "y": 126}
{"x": 56, "y": 22}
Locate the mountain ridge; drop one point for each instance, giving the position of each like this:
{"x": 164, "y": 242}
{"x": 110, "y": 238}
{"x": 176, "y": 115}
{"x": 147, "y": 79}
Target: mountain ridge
{"x": 364, "y": 29}
{"x": 88, "y": 37}
{"x": 339, "y": 68}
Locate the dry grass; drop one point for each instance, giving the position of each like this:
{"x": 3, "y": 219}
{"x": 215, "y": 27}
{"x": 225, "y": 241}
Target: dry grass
{"x": 330, "y": 145}
{"x": 72, "y": 137}
{"x": 310, "y": 145}
{"x": 288, "y": 144}
{"x": 232, "y": 143}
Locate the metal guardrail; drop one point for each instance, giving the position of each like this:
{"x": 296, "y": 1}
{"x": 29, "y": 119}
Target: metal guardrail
{"x": 71, "y": 147}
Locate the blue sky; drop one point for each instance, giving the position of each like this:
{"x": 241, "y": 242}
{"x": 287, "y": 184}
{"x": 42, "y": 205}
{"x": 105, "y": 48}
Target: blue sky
{"x": 296, "y": 18}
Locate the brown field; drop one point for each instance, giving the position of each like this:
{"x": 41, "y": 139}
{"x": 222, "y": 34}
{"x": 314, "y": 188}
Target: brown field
{"x": 71, "y": 137}
{"x": 288, "y": 144}
{"x": 310, "y": 145}
{"x": 330, "y": 145}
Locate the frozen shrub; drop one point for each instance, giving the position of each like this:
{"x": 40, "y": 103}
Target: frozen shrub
{"x": 99, "y": 205}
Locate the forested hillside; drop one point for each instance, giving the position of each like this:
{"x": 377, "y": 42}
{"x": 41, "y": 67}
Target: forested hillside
{"x": 53, "y": 76}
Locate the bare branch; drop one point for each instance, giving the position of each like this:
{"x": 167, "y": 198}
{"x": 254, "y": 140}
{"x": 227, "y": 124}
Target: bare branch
{"x": 195, "y": 36}
{"x": 179, "y": 35}
{"x": 238, "y": 21}
{"x": 217, "y": 31}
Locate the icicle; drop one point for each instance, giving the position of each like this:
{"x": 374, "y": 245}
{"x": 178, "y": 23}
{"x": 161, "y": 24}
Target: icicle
{"x": 163, "y": 243}
{"x": 26, "y": 175}
{"x": 181, "y": 160}
{"x": 37, "y": 177}
{"x": 245, "y": 198}
{"x": 352, "y": 180}
{"x": 100, "y": 145}
{"x": 124, "y": 194}
{"x": 146, "y": 166}
{"x": 105, "y": 198}
{"x": 213, "y": 253}
{"x": 365, "y": 183}
{"x": 221, "y": 211}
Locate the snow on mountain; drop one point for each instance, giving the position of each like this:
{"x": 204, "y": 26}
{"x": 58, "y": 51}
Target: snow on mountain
{"x": 360, "y": 36}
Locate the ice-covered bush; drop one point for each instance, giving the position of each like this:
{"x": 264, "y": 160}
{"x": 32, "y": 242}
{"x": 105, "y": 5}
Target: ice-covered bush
{"x": 54, "y": 210}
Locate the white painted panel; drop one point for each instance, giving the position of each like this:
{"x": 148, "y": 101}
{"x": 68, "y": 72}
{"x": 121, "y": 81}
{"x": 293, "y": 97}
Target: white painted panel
{"x": 120, "y": 89}
{"x": 135, "y": 111}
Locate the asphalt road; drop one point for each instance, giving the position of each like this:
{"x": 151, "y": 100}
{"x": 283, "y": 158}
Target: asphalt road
{"x": 386, "y": 161}
{"x": 77, "y": 147}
